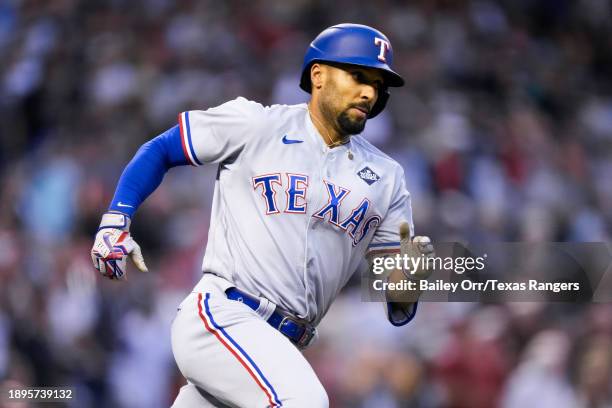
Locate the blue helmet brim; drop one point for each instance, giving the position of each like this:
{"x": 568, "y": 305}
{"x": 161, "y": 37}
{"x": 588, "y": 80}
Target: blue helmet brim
{"x": 391, "y": 78}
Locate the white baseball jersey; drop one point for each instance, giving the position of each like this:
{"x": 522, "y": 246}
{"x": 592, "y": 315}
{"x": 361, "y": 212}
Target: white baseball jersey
{"x": 291, "y": 218}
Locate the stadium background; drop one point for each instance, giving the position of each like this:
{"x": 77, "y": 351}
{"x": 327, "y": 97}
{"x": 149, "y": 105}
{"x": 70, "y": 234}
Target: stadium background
{"x": 504, "y": 130}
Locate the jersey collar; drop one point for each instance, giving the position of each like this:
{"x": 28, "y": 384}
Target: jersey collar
{"x": 317, "y": 138}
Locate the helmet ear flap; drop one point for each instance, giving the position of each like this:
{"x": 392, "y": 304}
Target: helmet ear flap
{"x": 305, "y": 82}
{"x": 381, "y": 102}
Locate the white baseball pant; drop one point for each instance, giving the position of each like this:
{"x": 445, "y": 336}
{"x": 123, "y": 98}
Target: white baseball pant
{"x": 231, "y": 357}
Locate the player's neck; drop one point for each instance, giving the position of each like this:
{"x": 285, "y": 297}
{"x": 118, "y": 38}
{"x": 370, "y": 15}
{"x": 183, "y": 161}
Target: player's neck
{"x": 331, "y": 137}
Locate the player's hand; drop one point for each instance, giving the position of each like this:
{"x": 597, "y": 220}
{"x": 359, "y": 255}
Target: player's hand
{"x": 113, "y": 245}
{"x": 419, "y": 246}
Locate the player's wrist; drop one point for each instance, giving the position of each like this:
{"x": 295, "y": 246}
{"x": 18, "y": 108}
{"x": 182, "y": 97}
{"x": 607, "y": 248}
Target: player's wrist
{"x": 422, "y": 273}
{"x": 115, "y": 220}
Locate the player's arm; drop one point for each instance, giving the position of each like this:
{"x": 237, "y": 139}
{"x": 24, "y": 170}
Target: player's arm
{"x": 394, "y": 235}
{"x": 401, "y": 305}
{"x": 215, "y": 135}
{"x": 404, "y": 302}
{"x": 145, "y": 172}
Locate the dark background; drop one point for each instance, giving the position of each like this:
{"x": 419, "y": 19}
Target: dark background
{"x": 504, "y": 130}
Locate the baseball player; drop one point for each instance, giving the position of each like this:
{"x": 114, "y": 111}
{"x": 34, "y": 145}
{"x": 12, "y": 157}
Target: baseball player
{"x": 297, "y": 205}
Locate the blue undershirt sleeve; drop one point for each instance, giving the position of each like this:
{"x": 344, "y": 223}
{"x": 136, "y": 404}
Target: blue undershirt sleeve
{"x": 146, "y": 170}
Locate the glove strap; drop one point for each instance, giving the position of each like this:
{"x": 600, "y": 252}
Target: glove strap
{"x": 116, "y": 221}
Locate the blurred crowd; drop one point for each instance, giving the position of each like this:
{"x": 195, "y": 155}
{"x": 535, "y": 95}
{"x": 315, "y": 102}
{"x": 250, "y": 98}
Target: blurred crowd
{"x": 504, "y": 130}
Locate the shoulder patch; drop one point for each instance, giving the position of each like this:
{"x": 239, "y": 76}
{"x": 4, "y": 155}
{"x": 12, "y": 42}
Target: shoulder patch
{"x": 368, "y": 175}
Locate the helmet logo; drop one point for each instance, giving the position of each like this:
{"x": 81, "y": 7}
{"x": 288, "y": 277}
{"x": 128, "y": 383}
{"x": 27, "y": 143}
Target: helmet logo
{"x": 384, "y": 47}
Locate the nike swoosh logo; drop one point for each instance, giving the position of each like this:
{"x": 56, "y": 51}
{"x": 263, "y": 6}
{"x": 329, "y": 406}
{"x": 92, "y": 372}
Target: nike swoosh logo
{"x": 120, "y": 204}
{"x": 290, "y": 141}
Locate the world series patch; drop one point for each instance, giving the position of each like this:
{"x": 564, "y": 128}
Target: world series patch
{"x": 367, "y": 175}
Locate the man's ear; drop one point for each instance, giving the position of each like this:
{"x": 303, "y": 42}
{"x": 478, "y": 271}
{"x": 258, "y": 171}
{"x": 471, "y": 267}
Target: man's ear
{"x": 317, "y": 75}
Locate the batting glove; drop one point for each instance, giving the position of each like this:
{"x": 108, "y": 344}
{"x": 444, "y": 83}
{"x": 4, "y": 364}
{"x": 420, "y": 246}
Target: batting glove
{"x": 113, "y": 245}
{"x": 419, "y": 246}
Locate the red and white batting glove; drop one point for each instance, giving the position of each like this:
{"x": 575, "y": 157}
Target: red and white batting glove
{"x": 113, "y": 245}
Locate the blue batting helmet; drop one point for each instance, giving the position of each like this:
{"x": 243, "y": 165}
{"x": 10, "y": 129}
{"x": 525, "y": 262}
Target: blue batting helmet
{"x": 353, "y": 44}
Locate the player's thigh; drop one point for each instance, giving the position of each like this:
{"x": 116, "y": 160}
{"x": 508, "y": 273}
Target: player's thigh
{"x": 190, "y": 396}
{"x": 226, "y": 349}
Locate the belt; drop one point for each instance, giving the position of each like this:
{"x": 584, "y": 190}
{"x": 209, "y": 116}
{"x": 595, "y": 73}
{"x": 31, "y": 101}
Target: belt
{"x": 300, "y": 333}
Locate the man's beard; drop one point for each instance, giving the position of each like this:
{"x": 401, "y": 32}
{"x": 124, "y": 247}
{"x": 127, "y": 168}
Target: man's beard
{"x": 350, "y": 126}
{"x": 345, "y": 125}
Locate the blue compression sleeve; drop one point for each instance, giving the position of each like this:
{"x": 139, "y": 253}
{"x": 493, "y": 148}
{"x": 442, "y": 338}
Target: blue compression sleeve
{"x": 147, "y": 169}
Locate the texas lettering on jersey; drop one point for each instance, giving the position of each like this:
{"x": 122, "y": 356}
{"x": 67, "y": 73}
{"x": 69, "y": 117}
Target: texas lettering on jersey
{"x": 297, "y": 235}
{"x": 357, "y": 224}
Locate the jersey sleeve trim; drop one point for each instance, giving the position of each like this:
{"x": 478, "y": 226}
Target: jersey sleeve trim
{"x": 384, "y": 244}
{"x": 188, "y": 150}
{"x": 383, "y": 248}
